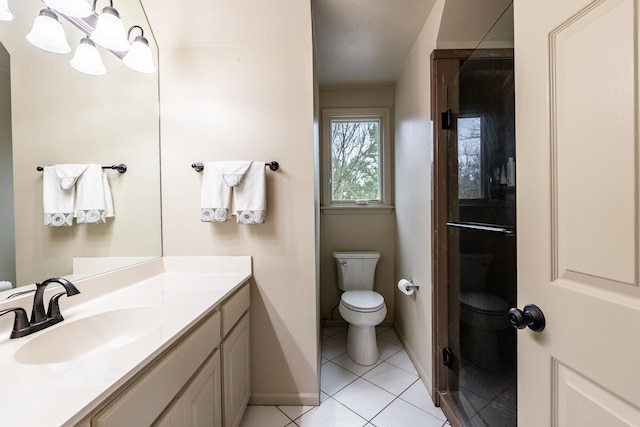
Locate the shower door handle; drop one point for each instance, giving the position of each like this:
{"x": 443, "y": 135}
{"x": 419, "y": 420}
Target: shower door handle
{"x": 530, "y": 316}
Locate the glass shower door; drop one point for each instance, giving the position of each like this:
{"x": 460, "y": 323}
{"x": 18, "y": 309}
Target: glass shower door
{"x": 481, "y": 231}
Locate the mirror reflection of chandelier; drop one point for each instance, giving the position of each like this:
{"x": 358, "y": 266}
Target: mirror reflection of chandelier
{"x": 104, "y": 29}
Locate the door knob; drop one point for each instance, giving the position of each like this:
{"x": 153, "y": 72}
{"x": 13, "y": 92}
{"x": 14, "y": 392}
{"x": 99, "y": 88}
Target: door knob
{"x": 530, "y": 316}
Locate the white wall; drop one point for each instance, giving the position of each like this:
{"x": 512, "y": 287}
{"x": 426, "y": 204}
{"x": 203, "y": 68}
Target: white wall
{"x": 413, "y": 161}
{"x": 236, "y": 83}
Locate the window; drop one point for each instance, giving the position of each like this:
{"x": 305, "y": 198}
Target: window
{"x": 469, "y": 158}
{"x": 356, "y": 156}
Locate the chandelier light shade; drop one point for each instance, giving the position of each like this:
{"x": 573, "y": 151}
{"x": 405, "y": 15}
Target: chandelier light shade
{"x": 5, "y": 12}
{"x": 75, "y": 8}
{"x": 109, "y": 32}
{"x": 87, "y": 58}
{"x": 139, "y": 57}
{"x": 47, "y": 33}
{"x": 105, "y": 30}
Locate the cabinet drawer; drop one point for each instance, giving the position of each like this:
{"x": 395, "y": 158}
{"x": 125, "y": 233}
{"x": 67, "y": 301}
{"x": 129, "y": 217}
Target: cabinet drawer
{"x": 233, "y": 309}
{"x": 148, "y": 397}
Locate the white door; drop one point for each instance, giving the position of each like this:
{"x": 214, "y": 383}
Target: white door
{"x": 578, "y": 202}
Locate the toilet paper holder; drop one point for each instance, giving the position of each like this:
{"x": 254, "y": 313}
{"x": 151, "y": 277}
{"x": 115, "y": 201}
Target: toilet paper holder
{"x": 412, "y": 286}
{"x": 408, "y": 286}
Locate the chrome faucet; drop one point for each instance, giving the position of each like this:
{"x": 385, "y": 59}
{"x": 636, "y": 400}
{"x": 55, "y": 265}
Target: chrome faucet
{"x": 39, "y": 318}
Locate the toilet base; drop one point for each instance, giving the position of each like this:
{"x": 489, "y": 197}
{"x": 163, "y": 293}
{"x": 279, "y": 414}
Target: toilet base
{"x": 362, "y": 346}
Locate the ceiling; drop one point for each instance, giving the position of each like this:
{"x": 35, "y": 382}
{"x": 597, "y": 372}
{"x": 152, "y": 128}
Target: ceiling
{"x": 361, "y": 42}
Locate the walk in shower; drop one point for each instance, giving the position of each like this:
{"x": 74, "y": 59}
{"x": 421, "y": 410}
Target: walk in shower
{"x": 478, "y": 160}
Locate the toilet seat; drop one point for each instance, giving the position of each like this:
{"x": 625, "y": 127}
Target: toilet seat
{"x": 362, "y": 301}
{"x": 483, "y": 303}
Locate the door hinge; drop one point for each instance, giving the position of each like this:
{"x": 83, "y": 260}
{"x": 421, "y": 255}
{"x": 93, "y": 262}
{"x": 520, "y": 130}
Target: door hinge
{"x": 446, "y": 120}
{"x": 447, "y": 357}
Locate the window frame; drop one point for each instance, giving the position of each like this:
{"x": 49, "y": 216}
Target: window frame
{"x": 383, "y": 115}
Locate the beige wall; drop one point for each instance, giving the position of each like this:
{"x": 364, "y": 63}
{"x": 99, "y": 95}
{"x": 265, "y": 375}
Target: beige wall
{"x": 247, "y": 94}
{"x": 413, "y": 153}
{"x": 62, "y": 116}
{"x": 348, "y": 232}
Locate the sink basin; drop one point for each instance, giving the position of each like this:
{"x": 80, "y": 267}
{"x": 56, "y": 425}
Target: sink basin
{"x": 72, "y": 340}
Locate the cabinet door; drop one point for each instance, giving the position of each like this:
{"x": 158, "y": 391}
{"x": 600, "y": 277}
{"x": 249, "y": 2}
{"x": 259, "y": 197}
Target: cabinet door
{"x": 203, "y": 400}
{"x": 236, "y": 378}
{"x": 201, "y": 404}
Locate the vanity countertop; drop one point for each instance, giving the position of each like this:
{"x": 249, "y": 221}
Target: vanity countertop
{"x": 169, "y": 296}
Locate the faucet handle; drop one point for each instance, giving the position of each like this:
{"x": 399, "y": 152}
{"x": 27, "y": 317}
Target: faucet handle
{"x": 20, "y": 323}
{"x": 54, "y": 307}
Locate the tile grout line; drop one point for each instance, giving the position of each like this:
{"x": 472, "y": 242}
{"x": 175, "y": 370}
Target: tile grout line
{"x": 290, "y": 419}
{"x": 351, "y": 410}
{"x": 361, "y": 376}
{"x": 345, "y": 386}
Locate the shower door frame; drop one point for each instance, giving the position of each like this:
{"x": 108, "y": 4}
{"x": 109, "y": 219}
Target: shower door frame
{"x": 445, "y": 66}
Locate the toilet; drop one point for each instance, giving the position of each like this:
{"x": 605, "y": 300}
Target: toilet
{"x": 360, "y": 305}
{"x": 482, "y": 314}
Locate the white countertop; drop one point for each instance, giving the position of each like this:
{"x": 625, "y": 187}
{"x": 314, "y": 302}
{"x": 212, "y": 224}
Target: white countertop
{"x": 175, "y": 295}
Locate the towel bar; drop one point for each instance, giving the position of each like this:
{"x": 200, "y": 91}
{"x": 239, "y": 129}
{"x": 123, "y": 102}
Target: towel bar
{"x": 199, "y": 166}
{"x": 122, "y": 168}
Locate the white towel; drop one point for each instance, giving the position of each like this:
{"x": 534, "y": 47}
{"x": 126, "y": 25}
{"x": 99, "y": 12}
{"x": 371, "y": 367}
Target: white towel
{"x": 233, "y": 172}
{"x": 249, "y": 199}
{"x": 215, "y": 197}
{"x": 93, "y": 197}
{"x": 68, "y": 174}
{"x": 58, "y": 193}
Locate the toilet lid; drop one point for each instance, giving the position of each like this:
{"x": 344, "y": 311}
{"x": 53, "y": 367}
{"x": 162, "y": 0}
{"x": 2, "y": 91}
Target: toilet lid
{"x": 483, "y": 302}
{"x": 362, "y": 300}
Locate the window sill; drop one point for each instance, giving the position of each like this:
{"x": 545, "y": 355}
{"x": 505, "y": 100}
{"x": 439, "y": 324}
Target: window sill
{"x": 357, "y": 210}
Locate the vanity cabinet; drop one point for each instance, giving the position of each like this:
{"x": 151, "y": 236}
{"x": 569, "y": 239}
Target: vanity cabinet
{"x": 200, "y": 404}
{"x": 203, "y": 380}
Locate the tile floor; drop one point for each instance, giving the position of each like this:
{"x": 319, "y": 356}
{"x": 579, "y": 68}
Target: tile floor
{"x": 488, "y": 398}
{"x": 387, "y": 394}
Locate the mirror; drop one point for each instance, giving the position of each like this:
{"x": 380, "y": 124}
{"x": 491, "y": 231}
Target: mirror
{"x": 57, "y": 116}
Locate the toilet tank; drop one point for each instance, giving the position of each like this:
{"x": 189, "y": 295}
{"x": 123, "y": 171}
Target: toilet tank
{"x": 356, "y": 270}
{"x": 474, "y": 271}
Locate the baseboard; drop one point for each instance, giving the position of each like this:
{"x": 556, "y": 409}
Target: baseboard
{"x": 285, "y": 399}
{"x": 414, "y": 358}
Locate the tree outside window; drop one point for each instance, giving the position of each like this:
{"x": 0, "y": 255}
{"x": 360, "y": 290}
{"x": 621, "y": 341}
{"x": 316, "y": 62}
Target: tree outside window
{"x": 469, "y": 158}
{"x": 355, "y": 160}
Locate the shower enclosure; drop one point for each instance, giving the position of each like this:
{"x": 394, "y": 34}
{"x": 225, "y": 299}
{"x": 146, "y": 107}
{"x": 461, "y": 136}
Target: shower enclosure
{"x": 475, "y": 231}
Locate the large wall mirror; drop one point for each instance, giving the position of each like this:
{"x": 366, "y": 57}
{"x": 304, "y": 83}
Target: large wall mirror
{"x": 52, "y": 114}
